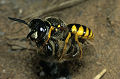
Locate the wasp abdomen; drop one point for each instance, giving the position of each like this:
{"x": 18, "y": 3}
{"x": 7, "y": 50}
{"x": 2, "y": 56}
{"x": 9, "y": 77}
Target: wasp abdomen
{"x": 81, "y": 30}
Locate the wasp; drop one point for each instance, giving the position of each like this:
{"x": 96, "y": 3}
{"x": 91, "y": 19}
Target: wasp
{"x": 78, "y": 33}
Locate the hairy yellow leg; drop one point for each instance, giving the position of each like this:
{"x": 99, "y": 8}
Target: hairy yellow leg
{"x": 76, "y": 39}
{"x": 65, "y": 46}
{"x": 49, "y": 34}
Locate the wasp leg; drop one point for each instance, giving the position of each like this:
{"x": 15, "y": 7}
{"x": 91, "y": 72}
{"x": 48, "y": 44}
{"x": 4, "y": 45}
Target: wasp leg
{"x": 76, "y": 39}
{"x": 65, "y": 46}
{"x": 49, "y": 34}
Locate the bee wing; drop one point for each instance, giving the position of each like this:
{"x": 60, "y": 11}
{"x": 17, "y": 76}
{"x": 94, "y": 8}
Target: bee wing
{"x": 18, "y": 20}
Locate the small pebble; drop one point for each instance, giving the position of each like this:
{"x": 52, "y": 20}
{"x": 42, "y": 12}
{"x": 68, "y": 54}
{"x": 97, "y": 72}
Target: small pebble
{"x": 42, "y": 73}
{"x": 4, "y": 70}
{"x": 2, "y": 33}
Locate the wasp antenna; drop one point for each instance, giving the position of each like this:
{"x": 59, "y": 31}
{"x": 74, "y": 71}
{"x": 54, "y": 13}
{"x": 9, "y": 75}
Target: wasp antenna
{"x": 18, "y": 20}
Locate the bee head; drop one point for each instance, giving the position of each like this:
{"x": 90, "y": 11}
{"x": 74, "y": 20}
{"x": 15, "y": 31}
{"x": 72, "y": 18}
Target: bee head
{"x": 38, "y": 30}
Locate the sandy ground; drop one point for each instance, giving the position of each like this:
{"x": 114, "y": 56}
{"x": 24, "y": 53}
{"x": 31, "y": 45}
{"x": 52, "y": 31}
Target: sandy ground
{"x": 102, "y": 16}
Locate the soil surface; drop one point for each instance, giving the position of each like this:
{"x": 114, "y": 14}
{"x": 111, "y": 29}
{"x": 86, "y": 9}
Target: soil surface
{"x": 102, "y": 16}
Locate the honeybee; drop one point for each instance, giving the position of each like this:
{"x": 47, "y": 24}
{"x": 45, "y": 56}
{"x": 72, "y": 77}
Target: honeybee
{"x": 41, "y": 31}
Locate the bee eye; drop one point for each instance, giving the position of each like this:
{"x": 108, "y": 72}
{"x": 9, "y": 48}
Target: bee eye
{"x": 42, "y": 29}
{"x": 41, "y": 32}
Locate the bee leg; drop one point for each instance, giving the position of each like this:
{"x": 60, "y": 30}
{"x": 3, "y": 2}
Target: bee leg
{"x": 49, "y": 34}
{"x": 65, "y": 46}
{"x": 76, "y": 39}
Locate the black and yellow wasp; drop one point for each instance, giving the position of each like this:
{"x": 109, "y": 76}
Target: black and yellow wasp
{"x": 42, "y": 32}
{"x": 78, "y": 32}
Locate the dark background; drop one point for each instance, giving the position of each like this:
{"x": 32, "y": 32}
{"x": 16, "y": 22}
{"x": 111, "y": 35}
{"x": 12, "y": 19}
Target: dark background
{"x": 102, "y": 16}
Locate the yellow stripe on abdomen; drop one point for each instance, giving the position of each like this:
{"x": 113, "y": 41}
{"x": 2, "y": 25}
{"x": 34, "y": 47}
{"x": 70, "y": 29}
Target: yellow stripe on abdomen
{"x": 80, "y": 31}
{"x": 87, "y": 32}
{"x": 74, "y": 29}
{"x": 90, "y": 34}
